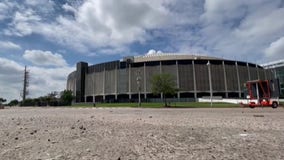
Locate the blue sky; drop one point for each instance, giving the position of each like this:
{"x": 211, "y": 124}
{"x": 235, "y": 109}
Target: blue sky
{"x": 50, "y": 36}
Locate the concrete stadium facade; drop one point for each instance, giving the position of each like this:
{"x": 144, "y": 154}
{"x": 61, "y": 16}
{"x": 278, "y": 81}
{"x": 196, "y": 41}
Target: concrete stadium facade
{"x": 117, "y": 80}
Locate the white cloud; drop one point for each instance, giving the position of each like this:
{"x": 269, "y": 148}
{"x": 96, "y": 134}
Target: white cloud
{"x": 42, "y": 6}
{"x": 218, "y": 11}
{"x": 3, "y": 10}
{"x": 42, "y": 80}
{"x": 9, "y": 66}
{"x": 24, "y": 23}
{"x": 44, "y": 58}
{"x": 37, "y": 2}
{"x": 238, "y": 29}
{"x": 6, "y": 7}
{"x": 106, "y": 23}
{"x": 152, "y": 51}
{"x": 7, "y": 45}
{"x": 114, "y": 50}
{"x": 226, "y": 28}
{"x": 69, "y": 8}
{"x": 259, "y": 25}
{"x": 46, "y": 80}
{"x": 276, "y": 49}
{"x": 97, "y": 24}
{"x": 10, "y": 79}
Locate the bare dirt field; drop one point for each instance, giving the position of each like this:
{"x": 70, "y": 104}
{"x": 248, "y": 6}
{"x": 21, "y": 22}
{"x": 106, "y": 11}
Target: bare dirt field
{"x": 127, "y": 133}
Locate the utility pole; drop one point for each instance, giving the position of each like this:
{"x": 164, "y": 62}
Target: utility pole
{"x": 26, "y": 84}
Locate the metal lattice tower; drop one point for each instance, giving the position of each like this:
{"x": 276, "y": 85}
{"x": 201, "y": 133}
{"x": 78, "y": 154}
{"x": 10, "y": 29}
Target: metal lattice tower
{"x": 25, "y": 84}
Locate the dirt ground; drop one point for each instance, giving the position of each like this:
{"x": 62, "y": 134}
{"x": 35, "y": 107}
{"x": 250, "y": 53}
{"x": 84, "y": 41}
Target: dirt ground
{"x": 127, "y": 133}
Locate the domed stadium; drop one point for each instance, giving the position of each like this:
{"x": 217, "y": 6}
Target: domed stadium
{"x": 116, "y": 81}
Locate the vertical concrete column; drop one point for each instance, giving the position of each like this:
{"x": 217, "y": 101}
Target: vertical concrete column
{"x": 75, "y": 89}
{"x": 225, "y": 79}
{"x": 104, "y": 85}
{"x": 145, "y": 81}
{"x": 94, "y": 87}
{"x": 258, "y": 77}
{"x": 116, "y": 81}
{"x": 248, "y": 71}
{"x": 238, "y": 78}
{"x": 178, "y": 85}
{"x": 194, "y": 80}
{"x": 265, "y": 75}
{"x": 210, "y": 81}
{"x": 129, "y": 80}
{"x": 275, "y": 73}
{"x": 160, "y": 67}
{"x": 161, "y": 73}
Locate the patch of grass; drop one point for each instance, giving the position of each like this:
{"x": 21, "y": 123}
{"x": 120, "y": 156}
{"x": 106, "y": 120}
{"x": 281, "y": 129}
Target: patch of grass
{"x": 132, "y": 105}
{"x": 161, "y": 105}
{"x": 82, "y": 105}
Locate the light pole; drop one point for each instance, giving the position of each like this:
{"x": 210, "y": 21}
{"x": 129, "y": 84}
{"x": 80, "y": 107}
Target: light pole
{"x": 138, "y": 80}
{"x": 210, "y": 82}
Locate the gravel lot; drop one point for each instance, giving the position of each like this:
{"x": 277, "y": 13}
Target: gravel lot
{"x": 127, "y": 133}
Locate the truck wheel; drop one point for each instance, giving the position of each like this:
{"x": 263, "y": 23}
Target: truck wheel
{"x": 274, "y": 105}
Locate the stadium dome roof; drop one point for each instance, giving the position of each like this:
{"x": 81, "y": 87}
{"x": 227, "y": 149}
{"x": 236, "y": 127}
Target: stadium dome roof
{"x": 169, "y": 56}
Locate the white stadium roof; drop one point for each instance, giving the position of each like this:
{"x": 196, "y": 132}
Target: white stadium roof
{"x": 171, "y": 56}
{"x": 274, "y": 64}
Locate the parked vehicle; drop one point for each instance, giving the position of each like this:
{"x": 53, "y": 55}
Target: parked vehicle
{"x": 263, "y": 93}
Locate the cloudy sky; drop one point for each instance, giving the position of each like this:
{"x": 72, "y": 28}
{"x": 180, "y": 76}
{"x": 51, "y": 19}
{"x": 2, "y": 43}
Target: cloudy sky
{"x": 50, "y": 36}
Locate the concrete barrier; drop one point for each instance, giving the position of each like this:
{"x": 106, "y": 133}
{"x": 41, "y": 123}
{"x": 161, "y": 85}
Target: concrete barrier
{"x": 224, "y": 100}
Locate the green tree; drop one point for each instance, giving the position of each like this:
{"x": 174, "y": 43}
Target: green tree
{"x": 51, "y": 98}
{"x": 67, "y": 97}
{"x": 2, "y": 100}
{"x": 163, "y": 84}
{"x": 28, "y": 102}
{"x": 13, "y": 102}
